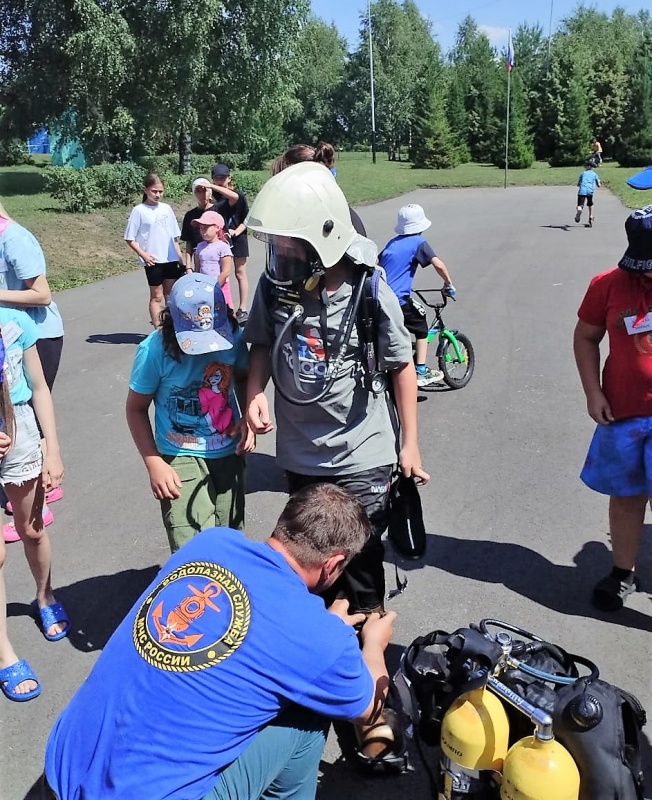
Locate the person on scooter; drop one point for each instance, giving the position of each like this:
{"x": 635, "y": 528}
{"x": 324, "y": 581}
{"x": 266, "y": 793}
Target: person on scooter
{"x": 400, "y": 259}
{"x": 333, "y": 421}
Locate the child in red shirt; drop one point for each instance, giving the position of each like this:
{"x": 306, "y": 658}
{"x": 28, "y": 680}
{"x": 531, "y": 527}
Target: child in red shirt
{"x": 619, "y": 461}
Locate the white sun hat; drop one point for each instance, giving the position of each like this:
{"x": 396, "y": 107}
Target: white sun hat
{"x": 411, "y": 219}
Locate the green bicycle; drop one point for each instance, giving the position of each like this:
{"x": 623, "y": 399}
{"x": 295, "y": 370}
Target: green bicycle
{"x": 455, "y": 355}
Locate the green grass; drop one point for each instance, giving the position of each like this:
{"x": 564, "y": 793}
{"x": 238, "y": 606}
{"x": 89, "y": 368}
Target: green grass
{"x": 81, "y": 248}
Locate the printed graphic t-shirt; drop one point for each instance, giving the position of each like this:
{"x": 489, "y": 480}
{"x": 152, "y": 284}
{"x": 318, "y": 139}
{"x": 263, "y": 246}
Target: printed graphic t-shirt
{"x": 195, "y": 407}
{"x": 627, "y": 372}
{"x": 210, "y": 255}
{"x": 349, "y": 430}
{"x": 21, "y": 258}
{"x": 154, "y": 229}
{"x": 223, "y": 640}
{"x": 401, "y": 258}
{"x": 19, "y": 332}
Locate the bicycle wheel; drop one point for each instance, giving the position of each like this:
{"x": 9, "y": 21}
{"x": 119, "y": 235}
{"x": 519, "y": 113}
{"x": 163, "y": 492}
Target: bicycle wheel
{"x": 457, "y": 372}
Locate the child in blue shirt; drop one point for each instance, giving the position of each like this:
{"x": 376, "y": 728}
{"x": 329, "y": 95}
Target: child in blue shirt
{"x": 400, "y": 259}
{"x": 587, "y": 184}
{"x": 190, "y": 369}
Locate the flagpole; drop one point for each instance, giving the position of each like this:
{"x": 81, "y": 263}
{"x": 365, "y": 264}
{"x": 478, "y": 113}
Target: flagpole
{"x": 509, "y": 86}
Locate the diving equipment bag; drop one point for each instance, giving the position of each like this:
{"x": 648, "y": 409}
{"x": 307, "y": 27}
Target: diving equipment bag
{"x": 598, "y": 723}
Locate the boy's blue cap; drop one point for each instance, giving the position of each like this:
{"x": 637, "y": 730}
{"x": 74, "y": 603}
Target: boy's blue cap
{"x": 199, "y": 315}
{"x": 642, "y": 179}
{"x": 638, "y": 256}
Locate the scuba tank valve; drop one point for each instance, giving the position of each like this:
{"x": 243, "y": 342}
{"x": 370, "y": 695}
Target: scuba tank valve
{"x": 536, "y": 767}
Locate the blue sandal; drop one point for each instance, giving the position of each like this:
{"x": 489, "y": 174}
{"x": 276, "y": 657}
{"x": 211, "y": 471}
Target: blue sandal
{"x": 49, "y": 616}
{"x": 11, "y": 676}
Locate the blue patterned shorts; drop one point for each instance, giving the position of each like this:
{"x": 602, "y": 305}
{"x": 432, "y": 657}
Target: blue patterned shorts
{"x": 619, "y": 461}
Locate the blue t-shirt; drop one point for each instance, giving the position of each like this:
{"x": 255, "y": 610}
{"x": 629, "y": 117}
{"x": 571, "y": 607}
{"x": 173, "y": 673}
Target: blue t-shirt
{"x": 225, "y": 638}
{"x": 195, "y": 407}
{"x": 401, "y": 258}
{"x": 21, "y": 258}
{"x": 18, "y": 333}
{"x": 588, "y": 181}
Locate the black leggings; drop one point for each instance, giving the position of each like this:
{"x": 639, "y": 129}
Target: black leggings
{"x": 49, "y": 351}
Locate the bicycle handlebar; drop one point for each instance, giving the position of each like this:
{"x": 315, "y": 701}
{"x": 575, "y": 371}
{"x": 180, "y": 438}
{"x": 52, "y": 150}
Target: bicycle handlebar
{"x": 445, "y": 297}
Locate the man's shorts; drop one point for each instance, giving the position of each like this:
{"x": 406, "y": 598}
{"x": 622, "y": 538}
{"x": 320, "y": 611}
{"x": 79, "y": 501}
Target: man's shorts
{"x": 167, "y": 271}
{"x": 414, "y": 317}
{"x": 582, "y": 197}
{"x": 24, "y": 461}
{"x": 619, "y": 461}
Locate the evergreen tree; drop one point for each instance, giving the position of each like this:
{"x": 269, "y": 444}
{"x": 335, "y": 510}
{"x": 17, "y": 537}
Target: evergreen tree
{"x": 572, "y": 133}
{"x": 636, "y": 146}
{"x": 521, "y": 149}
{"x": 456, "y": 115}
{"x": 433, "y": 145}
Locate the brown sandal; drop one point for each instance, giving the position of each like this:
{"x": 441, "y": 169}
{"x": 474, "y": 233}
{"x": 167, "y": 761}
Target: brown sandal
{"x": 381, "y": 746}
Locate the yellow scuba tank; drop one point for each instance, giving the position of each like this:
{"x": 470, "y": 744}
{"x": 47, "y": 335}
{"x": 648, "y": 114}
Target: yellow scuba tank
{"x": 536, "y": 767}
{"x": 474, "y": 742}
{"x": 539, "y": 769}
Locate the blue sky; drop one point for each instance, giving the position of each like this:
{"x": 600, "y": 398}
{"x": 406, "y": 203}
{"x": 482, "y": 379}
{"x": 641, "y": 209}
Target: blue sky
{"x": 495, "y": 16}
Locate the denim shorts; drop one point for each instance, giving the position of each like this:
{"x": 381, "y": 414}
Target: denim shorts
{"x": 619, "y": 461}
{"x": 24, "y": 461}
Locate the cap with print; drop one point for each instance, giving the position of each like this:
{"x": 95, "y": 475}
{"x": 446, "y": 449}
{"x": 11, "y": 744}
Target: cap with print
{"x": 638, "y": 256}
{"x": 199, "y": 315}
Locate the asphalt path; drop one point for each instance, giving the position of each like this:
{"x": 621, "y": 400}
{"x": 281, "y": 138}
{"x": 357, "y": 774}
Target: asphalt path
{"x": 512, "y": 532}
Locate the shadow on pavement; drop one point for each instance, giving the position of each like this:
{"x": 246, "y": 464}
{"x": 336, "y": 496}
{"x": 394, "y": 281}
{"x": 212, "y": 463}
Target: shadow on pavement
{"x": 97, "y": 605}
{"x": 264, "y": 474}
{"x": 564, "y": 589}
{"x": 116, "y": 338}
{"x": 561, "y": 227}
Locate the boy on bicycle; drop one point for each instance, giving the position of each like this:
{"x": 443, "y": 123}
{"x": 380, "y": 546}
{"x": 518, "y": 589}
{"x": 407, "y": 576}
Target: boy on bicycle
{"x": 400, "y": 259}
{"x": 587, "y": 183}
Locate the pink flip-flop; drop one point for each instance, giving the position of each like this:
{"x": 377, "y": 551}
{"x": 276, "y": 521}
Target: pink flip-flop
{"x": 10, "y": 533}
{"x": 51, "y": 497}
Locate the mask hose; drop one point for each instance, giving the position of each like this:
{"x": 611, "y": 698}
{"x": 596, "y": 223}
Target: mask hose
{"x": 298, "y": 312}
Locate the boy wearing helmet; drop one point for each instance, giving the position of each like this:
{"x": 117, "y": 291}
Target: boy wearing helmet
{"x": 333, "y": 425}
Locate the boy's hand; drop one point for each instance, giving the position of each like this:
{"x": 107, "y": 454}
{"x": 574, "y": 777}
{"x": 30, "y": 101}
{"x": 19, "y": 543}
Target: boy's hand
{"x": 163, "y": 479}
{"x": 258, "y": 414}
{"x": 409, "y": 461}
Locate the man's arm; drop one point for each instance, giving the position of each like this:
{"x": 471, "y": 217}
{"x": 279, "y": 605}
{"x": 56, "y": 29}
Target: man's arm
{"x": 376, "y": 634}
{"x": 404, "y": 384}
{"x": 586, "y": 344}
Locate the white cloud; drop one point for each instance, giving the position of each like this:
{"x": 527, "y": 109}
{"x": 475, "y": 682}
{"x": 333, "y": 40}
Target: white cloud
{"x": 497, "y": 36}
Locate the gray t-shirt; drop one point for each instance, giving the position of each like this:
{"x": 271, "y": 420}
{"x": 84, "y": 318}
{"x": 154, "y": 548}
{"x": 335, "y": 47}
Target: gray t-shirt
{"x": 350, "y": 429}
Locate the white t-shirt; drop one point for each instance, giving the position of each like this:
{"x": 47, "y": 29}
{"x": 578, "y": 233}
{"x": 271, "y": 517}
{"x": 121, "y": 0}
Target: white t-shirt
{"x": 154, "y": 229}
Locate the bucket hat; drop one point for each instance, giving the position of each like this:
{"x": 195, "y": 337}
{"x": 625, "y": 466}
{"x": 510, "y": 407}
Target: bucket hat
{"x": 411, "y": 219}
{"x": 638, "y": 227}
{"x": 199, "y": 315}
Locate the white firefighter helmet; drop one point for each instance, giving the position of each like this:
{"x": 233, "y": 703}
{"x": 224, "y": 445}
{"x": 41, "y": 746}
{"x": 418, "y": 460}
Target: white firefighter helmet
{"x": 304, "y": 202}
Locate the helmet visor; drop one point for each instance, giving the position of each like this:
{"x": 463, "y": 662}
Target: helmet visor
{"x": 289, "y": 261}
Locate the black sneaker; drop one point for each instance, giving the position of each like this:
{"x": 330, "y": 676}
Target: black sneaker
{"x": 578, "y": 216}
{"x": 609, "y": 593}
{"x": 241, "y": 316}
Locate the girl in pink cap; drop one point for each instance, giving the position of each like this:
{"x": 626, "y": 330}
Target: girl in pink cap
{"x": 213, "y": 255}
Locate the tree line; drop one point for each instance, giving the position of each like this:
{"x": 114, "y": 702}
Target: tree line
{"x": 145, "y": 77}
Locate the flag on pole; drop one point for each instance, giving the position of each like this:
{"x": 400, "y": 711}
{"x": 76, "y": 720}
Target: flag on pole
{"x": 510, "y": 53}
